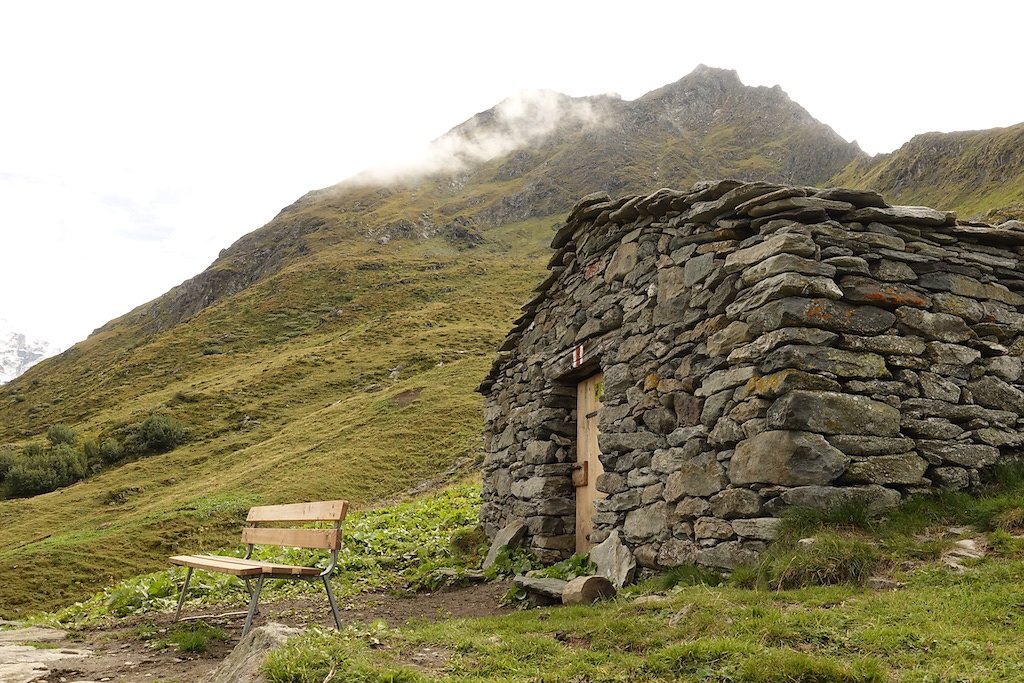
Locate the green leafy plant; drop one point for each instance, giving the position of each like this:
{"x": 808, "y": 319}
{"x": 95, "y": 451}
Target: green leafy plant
{"x": 161, "y": 433}
{"x": 569, "y": 568}
{"x": 511, "y": 562}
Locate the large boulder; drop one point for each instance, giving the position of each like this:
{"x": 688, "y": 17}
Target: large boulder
{"x": 789, "y": 458}
{"x": 829, "y": 412}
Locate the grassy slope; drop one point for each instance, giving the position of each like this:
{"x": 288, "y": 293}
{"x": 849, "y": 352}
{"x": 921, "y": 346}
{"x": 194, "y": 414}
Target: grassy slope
{"x": 273, "y": 380}
{"x": 975, "y": 172}
{"x": 806, "y": 619}
{"x": 297, "y": 403}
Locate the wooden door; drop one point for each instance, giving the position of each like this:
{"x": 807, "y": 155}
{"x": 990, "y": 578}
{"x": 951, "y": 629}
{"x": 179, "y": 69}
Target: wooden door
{"x": 588, "y": 462}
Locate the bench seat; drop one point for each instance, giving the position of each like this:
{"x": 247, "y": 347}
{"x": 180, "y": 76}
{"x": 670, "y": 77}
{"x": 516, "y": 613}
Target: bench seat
{"x": 237, "y": 566}
{"x": 329, "y": 511}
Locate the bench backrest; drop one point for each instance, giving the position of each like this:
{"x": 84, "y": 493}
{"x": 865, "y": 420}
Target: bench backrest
{"x": 323, "y": 511}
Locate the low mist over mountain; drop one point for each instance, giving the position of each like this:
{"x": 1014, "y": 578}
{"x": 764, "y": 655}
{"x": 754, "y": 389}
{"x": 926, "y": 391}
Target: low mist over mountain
{"x": 18, "y": 353}
{"x": 530, "y": 156}
{"x": 333, "y": 352}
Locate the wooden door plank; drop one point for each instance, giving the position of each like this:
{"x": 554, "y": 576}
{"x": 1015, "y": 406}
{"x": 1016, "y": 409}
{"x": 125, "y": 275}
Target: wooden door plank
{"x": 588, "y": 409}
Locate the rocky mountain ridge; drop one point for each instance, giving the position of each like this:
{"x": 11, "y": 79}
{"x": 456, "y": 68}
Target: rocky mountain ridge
{"x": 532, "y": 156}
{"x": 313, "y": 358}
{"x": 981, "y": 172}
{"x": 19, "y": 352}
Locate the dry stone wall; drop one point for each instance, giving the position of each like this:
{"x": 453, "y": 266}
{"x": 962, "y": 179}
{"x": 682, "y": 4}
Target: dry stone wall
{"x": 762, "y": 347}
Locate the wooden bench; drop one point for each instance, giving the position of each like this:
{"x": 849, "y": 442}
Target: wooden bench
{"x": 252, "y": 535}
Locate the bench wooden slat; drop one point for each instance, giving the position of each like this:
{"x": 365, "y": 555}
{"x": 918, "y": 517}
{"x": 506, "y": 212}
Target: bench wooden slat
{"x": 329, "y": 539}
{"x": 326, "y": 539}
{"x": 216, "y": 564}
{"x": 323, "y": 511}
{"x": 264, "y": 567}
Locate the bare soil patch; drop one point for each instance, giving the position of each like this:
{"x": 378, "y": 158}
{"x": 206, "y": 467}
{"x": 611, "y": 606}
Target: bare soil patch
{"x": 120, "y": 654}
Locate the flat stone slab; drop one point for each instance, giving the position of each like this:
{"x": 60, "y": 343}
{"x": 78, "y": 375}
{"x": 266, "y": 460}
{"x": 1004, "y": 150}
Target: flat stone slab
{"x": 546, "y": 591}
{"x": 20, "y": 663}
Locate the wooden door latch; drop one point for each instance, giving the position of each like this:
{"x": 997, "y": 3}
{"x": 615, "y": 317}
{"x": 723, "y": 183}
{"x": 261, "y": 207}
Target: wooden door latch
{"x": 580, "y": 474}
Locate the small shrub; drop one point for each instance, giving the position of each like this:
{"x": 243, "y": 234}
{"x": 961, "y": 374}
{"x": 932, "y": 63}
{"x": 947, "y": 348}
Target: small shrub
{"x": 7, "y": 460}
{"x": 60, "y": 466}
{"x": 59, "y": 434}
{"x": 111, "y": 451}
{"x": 162, "y": 433}
{"x": 91, "y": 449}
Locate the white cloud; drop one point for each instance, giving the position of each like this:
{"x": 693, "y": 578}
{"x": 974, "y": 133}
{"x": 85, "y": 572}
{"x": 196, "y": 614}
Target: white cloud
{"x": 141, "y": 138}
{"x": 517, "y": 121}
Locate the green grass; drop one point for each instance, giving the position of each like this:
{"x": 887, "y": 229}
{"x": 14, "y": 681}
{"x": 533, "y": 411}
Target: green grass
{"x": 980, "y": 174}
{"x": 940, "y": 627}
{"x": 321, "y": 415}
{"x": 399, "y": 547}
{"x": 818, "y": 625}
{"x": 195, "y": 637}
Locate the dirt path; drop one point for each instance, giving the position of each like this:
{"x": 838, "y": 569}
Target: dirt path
{"x": 119, "y": 652}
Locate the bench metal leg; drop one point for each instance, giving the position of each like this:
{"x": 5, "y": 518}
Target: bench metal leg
{"x": 181, "y": 598}
{"x": 330, "y": 599}
{"x": 252, "y": 605}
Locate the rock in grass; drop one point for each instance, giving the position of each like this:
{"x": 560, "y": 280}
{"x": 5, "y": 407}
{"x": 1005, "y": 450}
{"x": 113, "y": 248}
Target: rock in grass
{"x": 244, "y": 662}
{"x": 509, "y": 537}
{"x": 613, "y": 560}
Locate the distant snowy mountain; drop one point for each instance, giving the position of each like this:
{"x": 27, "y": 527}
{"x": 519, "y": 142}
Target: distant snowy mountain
{"x": 18, "y": 353}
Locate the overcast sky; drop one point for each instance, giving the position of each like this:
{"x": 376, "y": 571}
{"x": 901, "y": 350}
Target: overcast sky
{"x": 137, "y": 139}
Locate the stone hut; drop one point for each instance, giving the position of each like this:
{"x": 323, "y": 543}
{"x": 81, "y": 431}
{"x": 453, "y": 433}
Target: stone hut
{"x": 698, "y": 360}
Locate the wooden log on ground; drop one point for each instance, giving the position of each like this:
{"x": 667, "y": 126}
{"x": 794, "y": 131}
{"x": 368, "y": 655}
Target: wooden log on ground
{"x": 584, "y": 590}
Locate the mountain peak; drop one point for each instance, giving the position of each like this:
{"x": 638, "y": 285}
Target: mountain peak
{"x": 19, "y": 352}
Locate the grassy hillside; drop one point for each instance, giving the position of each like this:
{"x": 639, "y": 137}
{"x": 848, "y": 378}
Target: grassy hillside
{"x": 978, "y": 173}
{"x": 333, "y": 352}
{"x": 341, "y": 377}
